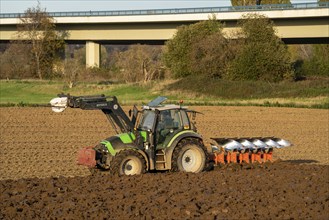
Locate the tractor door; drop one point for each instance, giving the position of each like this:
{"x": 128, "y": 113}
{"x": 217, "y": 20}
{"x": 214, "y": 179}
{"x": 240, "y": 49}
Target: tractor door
{"x": 170, "y": 122}
{"x": 146, "y": 125}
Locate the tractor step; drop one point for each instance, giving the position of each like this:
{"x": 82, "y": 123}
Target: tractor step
{"x": 160, "y": 159}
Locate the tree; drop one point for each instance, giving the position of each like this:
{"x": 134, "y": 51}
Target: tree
{"x": 211, "y": 55}
{"x": 186, "y": 48}
{"x": 38, "y": 29}
{"x": 139, "y": 63}
{"x": 15, "y": 62}
{"x": 262, "y": 56}
{"x": 318, "y": 64}
{"x": 254, "y": 2}
{"x": 71, "y": 71}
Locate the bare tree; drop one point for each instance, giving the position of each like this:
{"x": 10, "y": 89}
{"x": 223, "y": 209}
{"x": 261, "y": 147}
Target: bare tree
{"x": 71, "y": 72}
{"x": 139, "y": 63}
{"x": 38, "y": 29}
{"x": 15, "y": 62}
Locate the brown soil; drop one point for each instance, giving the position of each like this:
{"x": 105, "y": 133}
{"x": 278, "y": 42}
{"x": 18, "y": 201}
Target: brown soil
{"x": 39, "y": 177}
{"x": 281, "y": 191}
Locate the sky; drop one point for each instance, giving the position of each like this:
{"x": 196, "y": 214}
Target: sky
{"x": 19, "y": 6}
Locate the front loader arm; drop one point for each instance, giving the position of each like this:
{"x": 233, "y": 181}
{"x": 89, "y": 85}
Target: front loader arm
{"x": 109, "y": 106}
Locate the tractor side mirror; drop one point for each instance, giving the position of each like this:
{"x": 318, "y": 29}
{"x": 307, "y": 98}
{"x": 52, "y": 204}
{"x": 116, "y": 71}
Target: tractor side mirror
{"x": 133, "y": 114}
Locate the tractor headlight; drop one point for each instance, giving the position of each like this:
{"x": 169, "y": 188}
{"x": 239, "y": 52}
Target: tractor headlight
{"x": 104, "y": 149}
{"x": 101, "y": 148}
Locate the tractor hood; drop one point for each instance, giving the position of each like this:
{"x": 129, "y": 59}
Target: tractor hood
{"x": 121, "y": 141}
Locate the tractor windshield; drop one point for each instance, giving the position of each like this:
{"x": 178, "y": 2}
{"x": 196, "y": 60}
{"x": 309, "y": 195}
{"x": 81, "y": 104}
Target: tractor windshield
{"x": 147, "y": 120}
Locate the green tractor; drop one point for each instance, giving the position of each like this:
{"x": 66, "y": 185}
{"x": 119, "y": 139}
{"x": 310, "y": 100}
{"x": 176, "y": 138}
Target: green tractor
{"x": 155, "y": 138}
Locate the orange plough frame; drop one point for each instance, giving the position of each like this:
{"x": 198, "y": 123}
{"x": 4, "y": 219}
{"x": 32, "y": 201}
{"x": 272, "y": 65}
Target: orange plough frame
{"x": 236, "y": 157}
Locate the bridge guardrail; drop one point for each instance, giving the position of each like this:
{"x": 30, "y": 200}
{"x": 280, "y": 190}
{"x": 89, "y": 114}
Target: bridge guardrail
{"x": 181, "y": 10}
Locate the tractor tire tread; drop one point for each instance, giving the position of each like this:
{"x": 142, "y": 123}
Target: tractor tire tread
{"x": 179, "y": 147}
{"x": 120, "y": 156}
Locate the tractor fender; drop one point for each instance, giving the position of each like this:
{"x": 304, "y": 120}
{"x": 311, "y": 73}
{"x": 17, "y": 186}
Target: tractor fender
{"x": 176, "y": 139}
{"x": 145, "y": 157}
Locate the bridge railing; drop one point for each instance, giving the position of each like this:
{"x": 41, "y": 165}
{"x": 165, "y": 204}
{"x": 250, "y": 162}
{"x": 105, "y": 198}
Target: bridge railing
{"x": 180, "y": 10}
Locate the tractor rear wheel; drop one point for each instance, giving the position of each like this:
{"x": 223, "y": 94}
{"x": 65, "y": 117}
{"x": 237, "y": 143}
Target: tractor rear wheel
{"x": 189, "y": 156}
{"x": 128, "y": 162}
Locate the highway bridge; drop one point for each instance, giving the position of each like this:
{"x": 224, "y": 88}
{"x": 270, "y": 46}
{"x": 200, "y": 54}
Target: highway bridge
{"x": 295, "y": 23}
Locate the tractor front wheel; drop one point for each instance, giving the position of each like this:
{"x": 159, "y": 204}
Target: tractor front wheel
{"x": 128, "y": 162}
{"x": 189, "y": 156}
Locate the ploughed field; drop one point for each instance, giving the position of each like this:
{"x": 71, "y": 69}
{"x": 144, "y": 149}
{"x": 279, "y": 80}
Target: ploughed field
{"x": 39, "y": 177}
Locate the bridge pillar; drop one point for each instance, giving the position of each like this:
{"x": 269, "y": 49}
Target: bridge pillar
{"x": 92, "y": 54}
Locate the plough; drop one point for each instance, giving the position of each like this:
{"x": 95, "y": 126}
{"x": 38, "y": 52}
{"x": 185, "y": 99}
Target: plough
{"x": 246, "y": 150}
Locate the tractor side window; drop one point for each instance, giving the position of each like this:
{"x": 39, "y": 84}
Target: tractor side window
{"x": 169, "y": 120}
{"x": 169, "y": 123}
{"x": 177, "y": 123}
{"x": 186, "y": 122}
{"x": 147, "y": 120}
{"x": 166, "y": 120}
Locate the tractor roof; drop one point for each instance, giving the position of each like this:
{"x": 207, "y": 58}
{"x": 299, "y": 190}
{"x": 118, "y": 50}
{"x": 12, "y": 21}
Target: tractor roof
{"x": 164, "y": 107}
{"x": 156, "y": 104}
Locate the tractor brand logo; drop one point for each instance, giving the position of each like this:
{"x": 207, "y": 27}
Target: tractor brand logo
{"x": 102, "y": 104}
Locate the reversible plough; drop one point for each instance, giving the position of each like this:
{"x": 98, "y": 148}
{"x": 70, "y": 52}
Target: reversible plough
{"x": 246, "y": 150}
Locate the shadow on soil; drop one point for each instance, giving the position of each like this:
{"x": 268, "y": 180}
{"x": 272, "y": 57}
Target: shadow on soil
{"x": 301, "y": 161}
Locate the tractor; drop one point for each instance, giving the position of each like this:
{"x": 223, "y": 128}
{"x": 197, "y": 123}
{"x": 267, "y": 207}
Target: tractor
{"x": 159, "y": 137}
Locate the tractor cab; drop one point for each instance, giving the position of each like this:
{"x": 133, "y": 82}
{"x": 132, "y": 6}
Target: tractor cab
{"x": 163, "y": 122}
